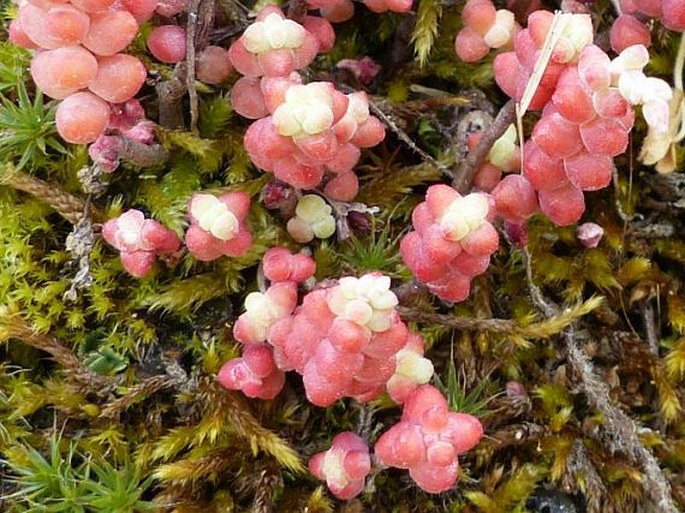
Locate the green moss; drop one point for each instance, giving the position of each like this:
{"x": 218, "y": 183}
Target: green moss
{"x": 109, "y": 402}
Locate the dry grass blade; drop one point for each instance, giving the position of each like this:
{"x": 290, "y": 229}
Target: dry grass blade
{"x": 555, "y": 31}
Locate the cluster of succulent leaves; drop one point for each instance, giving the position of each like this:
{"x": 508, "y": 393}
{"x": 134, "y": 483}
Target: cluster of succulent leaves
{"x": 108, "y": 401}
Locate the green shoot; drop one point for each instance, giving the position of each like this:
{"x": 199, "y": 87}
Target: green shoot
{"x": 74, "y": 483}
{"x": 27, "y": 129}
{"x": 377, "y": 252}
{"x": 458, "y": 396}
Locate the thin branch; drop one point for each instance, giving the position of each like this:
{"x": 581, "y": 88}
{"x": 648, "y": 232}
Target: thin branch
{"x": 12, "y": 326}
{"x": 65, "y": 204}
{"x": 136, "y": 393}
{"x": 191, "y": 28}
{"x": 297, "y": 11}
{"x": 679, "y": 64}
{"x": 617, "y": 7}
{"x": 170, "y": 94}
{"x": 464, "y": 176}
{"x": 498, "y": 326}
{"x": 402, "y": 135}
{"x": 620, "y": 428}
{"x": 142, "y": 155}
{"x": 625, "y": 217}
{"x": 379, "y": 109}
{"x": 650, "y": 327}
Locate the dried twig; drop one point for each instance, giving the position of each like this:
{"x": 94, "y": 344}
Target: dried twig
{"x": 206, "y": 14}
{"x": 650, "y": 326}
{"x": 191, "y": 28}
{"x": 464, "y": 175}
{"x": 80, "y": 243}
{"x": 142, "y": 155}
{"x": 13, "y": 326}
{"x": 65, "y": 204}
{"x": 136, "y": 393}
{"x": 297, "y": 11}
{"x": 620, "y": 428}
{"x": 402, "y": 135}
{"x": 170, "y": 93}
{"x": 579, "y": 469}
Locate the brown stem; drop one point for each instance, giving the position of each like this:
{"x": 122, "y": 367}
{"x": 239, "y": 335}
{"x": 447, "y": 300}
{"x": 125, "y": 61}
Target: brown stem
{"x": 545, "y": 328}
{"x": 402, "y": 135}
{"x": 143, "y": 155}
{"x": 650, "y": 327}
{"x": 460, "y": 323}
{"x": 467, "y": 170}
{"x": 620, "y": 428}
{"x": 513, "y": 435}
{"x": 206, "y": 15}
{"x": 191, "y": 28}
{"x": 12, "y": 326}
{"x": 298, "y": 11}
{"x": 136, "y": 393}
{"x": 170, "y": 94}
{"x": 65, "y": 204}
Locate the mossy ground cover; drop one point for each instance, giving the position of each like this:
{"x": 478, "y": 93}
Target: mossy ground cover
{"x": 573, "y": 358}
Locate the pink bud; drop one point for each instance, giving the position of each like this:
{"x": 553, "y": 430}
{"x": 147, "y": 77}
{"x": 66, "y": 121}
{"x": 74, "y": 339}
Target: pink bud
{"x": 218, "y": 225}
{"x": 169, "y": 8}
{"x": 517, "y": 233}
{"x": 589, "y": 234}
{"x": 515, "y": 198}
{"x": 627, "y": 31}
{"x": 138, "y": 263}
{"x": 139, "y": 240}
{"x": 433, "y": 478}
{"x": 344, "y": 466}
{"x": 255, "y": 374}
{"x": 168, "y": 43}
{"x": 159, "y": 238}
{"x": 322, "y": 30}
{"x": 428, "y": 439}
{"x": 516, "y": 390}
{"x": 364, "y": 69}
{"x": 18, "y": 36}
{"x": 281, "y": 265}
{"x": 125, "y": 116}
{"x": 105, "y": 152}
{"x": 441, "y": 453}
{"x": 142, "y": 132}
{"x": 247, "y": 98}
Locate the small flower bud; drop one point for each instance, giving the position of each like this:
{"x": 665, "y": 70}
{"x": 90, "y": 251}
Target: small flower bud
{"x": 589, "y": 234}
